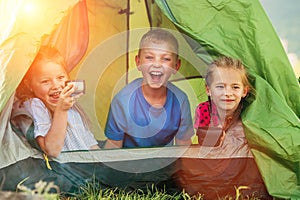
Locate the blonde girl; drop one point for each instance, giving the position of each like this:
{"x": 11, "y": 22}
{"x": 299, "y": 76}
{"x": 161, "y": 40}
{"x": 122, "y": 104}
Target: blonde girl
{"x": 226, "y": 86}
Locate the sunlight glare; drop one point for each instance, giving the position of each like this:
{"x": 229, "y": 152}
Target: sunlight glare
{"x": 29, "y": 8}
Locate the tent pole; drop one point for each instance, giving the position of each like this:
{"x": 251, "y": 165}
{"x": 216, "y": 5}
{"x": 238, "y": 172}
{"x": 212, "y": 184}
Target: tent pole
{"x": 127, "y": 39}
{"x": 149, "y": 13}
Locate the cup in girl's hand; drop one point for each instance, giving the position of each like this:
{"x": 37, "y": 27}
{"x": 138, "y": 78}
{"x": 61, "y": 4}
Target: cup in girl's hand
{"x": 79, "y": 86}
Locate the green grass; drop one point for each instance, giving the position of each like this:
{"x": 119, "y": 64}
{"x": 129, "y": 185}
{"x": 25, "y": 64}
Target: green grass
{"x": 93, "y": 192}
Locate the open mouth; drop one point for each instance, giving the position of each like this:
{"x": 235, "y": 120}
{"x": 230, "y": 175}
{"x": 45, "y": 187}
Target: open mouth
{"x": 55, "y": 95}
{"x": 156, "y": 76}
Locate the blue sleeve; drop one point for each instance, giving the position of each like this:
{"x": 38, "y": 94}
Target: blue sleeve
{"x": 116, "y": 121}
{"x": 186, "y": 130}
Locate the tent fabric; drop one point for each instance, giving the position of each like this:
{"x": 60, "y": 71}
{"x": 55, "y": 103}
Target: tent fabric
{"x": 242, "y": 30}
{"x": 15, "y": 59}
{"x": 171, "y": 169}
{"x": 25, "y": 28}
{"x": 96, "y": 49}
{"x": 74, "y": 48}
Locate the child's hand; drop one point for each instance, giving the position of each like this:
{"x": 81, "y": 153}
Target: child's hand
{"x": 66, "y": 99}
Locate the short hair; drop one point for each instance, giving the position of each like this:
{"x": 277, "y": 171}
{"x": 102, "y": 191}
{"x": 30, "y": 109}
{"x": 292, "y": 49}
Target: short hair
{"x": 157, "y": 36}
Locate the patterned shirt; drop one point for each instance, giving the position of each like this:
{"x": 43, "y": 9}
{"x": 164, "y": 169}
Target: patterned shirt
{"x": 205, "y": 114}
{"x": 78, "y": 136}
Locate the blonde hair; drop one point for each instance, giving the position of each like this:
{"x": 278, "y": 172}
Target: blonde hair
{"x": 228, "y": 63}
{"x": 158, "y": 36}
{"x": 235, "y": 64}
{"x": 45, "y": 54}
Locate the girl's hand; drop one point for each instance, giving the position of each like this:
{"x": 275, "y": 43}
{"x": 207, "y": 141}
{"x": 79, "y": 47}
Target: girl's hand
{"x": 66, "y": 100}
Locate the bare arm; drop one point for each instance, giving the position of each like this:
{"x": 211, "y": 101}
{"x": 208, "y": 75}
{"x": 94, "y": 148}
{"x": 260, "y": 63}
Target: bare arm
{"x": 112, "y": 144}
{"x": 53, "y": 142}
{"x": 183, "y": 142}
{"x": 94, "y": 147}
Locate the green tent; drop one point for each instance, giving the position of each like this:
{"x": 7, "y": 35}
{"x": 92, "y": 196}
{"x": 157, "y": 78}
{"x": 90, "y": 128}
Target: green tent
{"x": 99, "y": 39}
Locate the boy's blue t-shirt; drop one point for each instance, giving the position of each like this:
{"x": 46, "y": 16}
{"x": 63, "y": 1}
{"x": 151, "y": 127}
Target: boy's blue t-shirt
{"x": 134, "y": 120}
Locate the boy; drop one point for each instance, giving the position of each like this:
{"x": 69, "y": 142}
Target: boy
{"x": 151, "y": 111}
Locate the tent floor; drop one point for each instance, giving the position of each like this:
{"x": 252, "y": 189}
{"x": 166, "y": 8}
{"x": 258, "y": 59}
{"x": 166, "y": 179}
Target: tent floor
{"x": 212, "y": 177}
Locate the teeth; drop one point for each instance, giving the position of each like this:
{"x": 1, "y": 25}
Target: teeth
{"x": 156, "y": 73}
